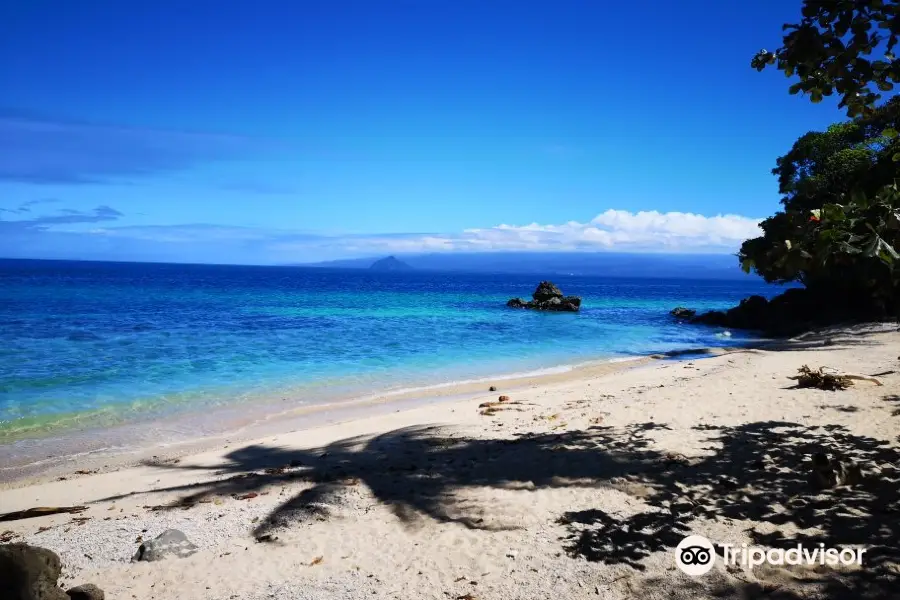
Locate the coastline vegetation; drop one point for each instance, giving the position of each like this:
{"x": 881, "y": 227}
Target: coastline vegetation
{"x": 838, "y": 232}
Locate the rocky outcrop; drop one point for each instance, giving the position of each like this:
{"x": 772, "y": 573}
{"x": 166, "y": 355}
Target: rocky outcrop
{"x": 796, "y": 311}
{"x": 682, "y": 313}
{"x": 30, "y": 573}
{"x": 170, "y": 542}
{"x": 548, "y": 297}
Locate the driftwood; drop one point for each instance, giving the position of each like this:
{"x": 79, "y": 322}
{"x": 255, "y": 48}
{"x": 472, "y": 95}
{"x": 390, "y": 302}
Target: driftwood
{"x": 41, "y": 511}
{"x": 828, "y": 378}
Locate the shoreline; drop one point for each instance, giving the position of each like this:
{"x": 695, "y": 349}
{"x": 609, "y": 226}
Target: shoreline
{"x": 124, "y": 445}
{"x": 450, "y": 493}
{"x": 112, "y": 454}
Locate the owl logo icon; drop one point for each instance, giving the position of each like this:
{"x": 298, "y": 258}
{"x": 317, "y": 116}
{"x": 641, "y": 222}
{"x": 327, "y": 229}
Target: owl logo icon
{"x": 695, "y": 555}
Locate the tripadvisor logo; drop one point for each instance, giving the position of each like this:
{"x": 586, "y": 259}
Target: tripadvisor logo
{"x": 695, "y": 555}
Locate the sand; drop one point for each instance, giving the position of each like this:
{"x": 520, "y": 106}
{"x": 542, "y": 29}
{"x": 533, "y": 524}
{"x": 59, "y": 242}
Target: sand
{"x": 577, "y": 487}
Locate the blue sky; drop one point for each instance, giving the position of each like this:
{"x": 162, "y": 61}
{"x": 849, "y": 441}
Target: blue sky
{"x": 289, "y": 131}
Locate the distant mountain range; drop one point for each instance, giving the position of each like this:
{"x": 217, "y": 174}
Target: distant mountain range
{"x": 610, "y": 264}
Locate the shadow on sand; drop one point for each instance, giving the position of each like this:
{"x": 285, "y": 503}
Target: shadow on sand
{"x": 756, "y": 472}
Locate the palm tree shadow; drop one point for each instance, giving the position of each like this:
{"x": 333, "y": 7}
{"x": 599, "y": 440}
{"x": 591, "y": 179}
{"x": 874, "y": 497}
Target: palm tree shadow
{"x": 421, "y": 471}
{"x": 757, "y": 472}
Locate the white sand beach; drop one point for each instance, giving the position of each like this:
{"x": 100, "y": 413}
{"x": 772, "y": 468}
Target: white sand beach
{"x": 579, "y": 486}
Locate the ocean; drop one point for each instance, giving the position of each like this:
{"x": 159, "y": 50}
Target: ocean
{"x": 93, "y": 345}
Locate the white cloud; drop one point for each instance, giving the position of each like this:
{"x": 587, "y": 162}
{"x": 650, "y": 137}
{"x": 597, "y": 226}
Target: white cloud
{"x": 646, "y": 231}
{"x": 616, "y": 230}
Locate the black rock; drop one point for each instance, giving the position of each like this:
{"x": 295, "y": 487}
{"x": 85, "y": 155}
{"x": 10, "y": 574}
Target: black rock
{"x": 88, "y": 591}
{"x": 681, "y": 312}
{"x": 548, "y": 297}
{"x": 29, "y": 573}
{"x": 546, "y": 290}
{"x": 793, "y": 312}
{"x": 170, "y": 542}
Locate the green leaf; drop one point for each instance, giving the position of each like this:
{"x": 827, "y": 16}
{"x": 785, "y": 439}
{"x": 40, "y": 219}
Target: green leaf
{"x": 747, "y": 265}
{"x": 889, "y": 249}
{"x": 890, "y": 133}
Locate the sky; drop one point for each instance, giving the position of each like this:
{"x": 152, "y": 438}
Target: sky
{"x": 285, "y": 131}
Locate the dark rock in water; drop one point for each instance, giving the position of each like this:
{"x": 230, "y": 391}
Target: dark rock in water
{"x": 391, "y": 263}
{"x": 88, "y": 591}
{"x": 682, "y": 313}
{"x": 751, "y": 313}
{"x": 548, "y": 297}
{"x": 546, "y": 291}
{"x": 170, "y": 542}
{"x": 795, "y": 311}
{"x": 29, "y": 573}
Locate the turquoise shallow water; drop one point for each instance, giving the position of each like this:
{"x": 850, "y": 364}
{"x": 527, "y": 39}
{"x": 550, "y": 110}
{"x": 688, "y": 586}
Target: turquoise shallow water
{"x": 95, "y": 344}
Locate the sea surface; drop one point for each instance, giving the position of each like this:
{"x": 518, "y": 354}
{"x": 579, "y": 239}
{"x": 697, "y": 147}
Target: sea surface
{"x": 93, "y": 345}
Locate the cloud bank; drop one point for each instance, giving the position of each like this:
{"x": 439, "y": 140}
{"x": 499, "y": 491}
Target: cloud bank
{"x": 64, "y": 216}
{"x": 46, "y": 150}
{"x": 73, "y": 234}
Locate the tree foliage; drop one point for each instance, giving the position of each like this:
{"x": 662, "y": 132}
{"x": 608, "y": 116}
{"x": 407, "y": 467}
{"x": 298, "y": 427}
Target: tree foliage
{"x": 842, "y": 46}
{"x": 839, "y": 229}
{"x": 840, "y": 226}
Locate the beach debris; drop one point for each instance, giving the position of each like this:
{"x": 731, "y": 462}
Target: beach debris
{"x": 503, "y": 399}
{"x": 41, "y": 511}
{"x": 493, "y": 388}
{"x": 30, "y": 573}
{"x": 828, "y": 378}
{"x": 88, "y": 591}
{"x": 247, "y": 496}
{"x": 266, "y": 537}
{"x": 832, "y": 472}
{"x": 316, "y": 561}
{"x": 7, "y": 536}
{"x": 466, "y": 597}
{"x": 170, "y": 542}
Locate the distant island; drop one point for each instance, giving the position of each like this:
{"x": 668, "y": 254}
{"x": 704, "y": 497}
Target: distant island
{"x": 558, "y": 264}
{"x": 391, "y": 263}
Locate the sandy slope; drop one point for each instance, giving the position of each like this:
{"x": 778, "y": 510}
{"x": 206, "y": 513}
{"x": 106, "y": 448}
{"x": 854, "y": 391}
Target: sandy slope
{"x": 576, "y": 488}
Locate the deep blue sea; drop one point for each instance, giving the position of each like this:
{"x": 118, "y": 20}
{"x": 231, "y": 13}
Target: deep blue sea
{"x": 87, "y": 344}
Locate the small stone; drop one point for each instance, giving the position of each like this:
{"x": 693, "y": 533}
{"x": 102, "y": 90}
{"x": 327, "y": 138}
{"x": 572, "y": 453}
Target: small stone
{"x": 493, "y": 388}
{"x": 170, "y": 542}
{"x": 88, "y": 591}
{"x": 503, "y": 399}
